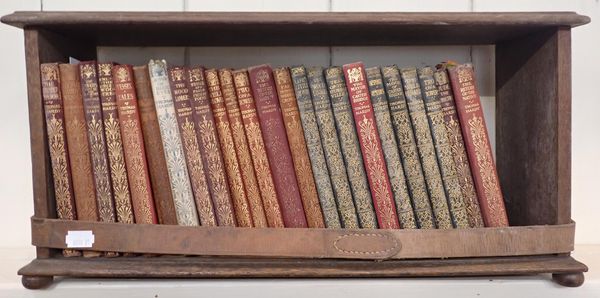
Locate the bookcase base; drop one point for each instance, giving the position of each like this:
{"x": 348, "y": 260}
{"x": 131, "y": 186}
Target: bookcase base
{"x": 565, "y": 270}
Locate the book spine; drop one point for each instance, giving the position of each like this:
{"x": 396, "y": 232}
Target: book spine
{"x": 241, "y": 146}
{"x": 424, "y": 141}
{"x": 407, "y": 147}
{"x": 236, "y": 184}
{"x": 331, "y": 147}
{"x": 133, "y": 145}
{"x": 178, "y": 80}
{"x": 181, "y": 187}
{"x": 157, "y": 164}
{"x": 315, "y": 148}
{"x": 295, "y": 134}
{"x": 391, "y": 155}
{"x": 257, "y": 149}
{"x": 210, "y": 148}
{"x": 370, "y": 144}
{"x": 277, "y": 146}
{"x": 346, "y": 131}
{"x": 483, "y": 168}
{"x": 433, "y": 108}
{"x": 114, "y": 144}
{"x": 79, "y": 156}
{"x": 88, "y": 78}
{"x": 458, "y": 150}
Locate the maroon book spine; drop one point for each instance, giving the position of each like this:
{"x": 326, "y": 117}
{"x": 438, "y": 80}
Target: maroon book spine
{"x": 370, "y": 144}
{"x": 277, "y": 146}
{"x": 477, "y": 142}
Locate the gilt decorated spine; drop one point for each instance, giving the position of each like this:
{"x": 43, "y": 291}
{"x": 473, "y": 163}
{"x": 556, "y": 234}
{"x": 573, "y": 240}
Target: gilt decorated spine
{"x": 210, "y": 148}
{"x": 370, "y": 144}
{"x": 173, "y": 147}
{"x": 457, "y": 147}
{"x": 277, "y": 146}
{"x": 424, "y": 141}
{"x": 178, "y": 79}
{"x": 390, "y": 148}
{"x": 346, "y": 130}
{"x": 472, "y": 123}
{"x": 407, "y": 147}
{"x": 295, "y": 134}
{"x": 433, "y": 108}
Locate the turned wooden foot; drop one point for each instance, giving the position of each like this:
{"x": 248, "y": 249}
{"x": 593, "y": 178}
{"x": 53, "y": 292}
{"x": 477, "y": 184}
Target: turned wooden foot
{"x": 36, "y": 282}
{"x": 574, "y": 279}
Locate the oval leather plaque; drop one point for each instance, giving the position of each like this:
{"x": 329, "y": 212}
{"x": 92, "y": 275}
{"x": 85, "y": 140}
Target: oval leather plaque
{"x": 367, "y": 245}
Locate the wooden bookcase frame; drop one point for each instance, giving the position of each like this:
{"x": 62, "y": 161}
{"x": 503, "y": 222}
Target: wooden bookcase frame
{"x": 533, "y": 133}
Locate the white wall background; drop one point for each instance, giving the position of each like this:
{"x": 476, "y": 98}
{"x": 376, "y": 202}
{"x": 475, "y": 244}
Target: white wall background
{"x": 15, "y": 162}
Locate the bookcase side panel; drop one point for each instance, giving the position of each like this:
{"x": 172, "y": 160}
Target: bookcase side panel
{"x": 533, "y": 126}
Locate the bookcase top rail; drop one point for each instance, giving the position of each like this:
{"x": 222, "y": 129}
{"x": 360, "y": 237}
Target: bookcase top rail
{"x": 285, "y": 28}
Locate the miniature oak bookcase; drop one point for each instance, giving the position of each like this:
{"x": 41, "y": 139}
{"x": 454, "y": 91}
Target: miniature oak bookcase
{"x": 533, "y": 137}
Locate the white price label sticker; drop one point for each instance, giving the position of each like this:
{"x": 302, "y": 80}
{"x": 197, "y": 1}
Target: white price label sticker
{"x": 79, "y": 239}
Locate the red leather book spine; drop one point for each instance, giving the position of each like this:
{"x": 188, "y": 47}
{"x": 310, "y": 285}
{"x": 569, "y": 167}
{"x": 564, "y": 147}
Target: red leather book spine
{"x": 483, "y": 168}
{"x": 277, "y": 146}
{"x": 370, "y": 144}
{"x": 133, "y": 145}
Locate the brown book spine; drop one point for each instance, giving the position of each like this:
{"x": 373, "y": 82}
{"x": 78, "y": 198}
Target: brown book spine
{"x": 241, "y": 146}
{"x": 178, "y": 80}
{"x": 458, "y": 150}
{"x": 57, "y": 144}
{"x": 295, "y": 134}
{"x": 114, "y": 144}
{"x": 210, "y": 149}
{"x": 232, "y": 165}
{"x": 155, "y": 154}
{"x": 472, "y": 123}
{"x": 133, "y": 145}
{"x": 277, "y": 146}
{"x": 257, "y": 149}
{"x": 95, "y": 129}
{"x": 381, "y": 190}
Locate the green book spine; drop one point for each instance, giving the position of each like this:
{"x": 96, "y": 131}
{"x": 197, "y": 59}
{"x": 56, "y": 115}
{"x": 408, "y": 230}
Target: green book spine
{"x": 390, "y": 149}
{"x": 315, "y": 148}
{"x": 331, "y": 146}
{"x": 407, "y": 147}
{"x": 435, "y": 116}
{"x": 344, "y": 121}
{"x": 424, "y": 141}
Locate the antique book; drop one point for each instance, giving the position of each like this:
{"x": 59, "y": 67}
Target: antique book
{"x": 346, "y": 130}
{"x": 155, "y": 154}
{"x": 457, "y": 147}
{"x": 389, "y": 145}
{"x": 234, "y": 115}
{"x": 133, "y": 145}
{"x": 57, "y": 144}
{"x": 381, "y": 190}
{"x": 88, "y": 78}
{"x": 424, "y": 141}
{"x": 433, "y": 108}
{"x": 295, "y": 134}
{"x": 210, "y": 149}
{"x": 483, "y": 167}
{"x": 178, "y": 79}
{"x": 331, "y": 147}
{"x": 257, "y": 149}
{"x": 77, "y": 143}
{"x": 407, "y": 147}
{"x": 179, "y": 178}
{"x": 232, "y": 166}
{"x": 114, "y": 144}
{"x": 315, "y": 148}
{"x": 277, "y": 146}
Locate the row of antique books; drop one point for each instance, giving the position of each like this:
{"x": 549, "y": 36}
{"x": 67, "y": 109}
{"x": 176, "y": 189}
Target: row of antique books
{"x": 341, "y": 147}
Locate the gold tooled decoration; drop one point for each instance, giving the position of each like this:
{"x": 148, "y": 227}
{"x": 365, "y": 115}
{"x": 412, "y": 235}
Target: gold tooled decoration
{"x": 60, "y": 174}
{"x": 100, "y": 166}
